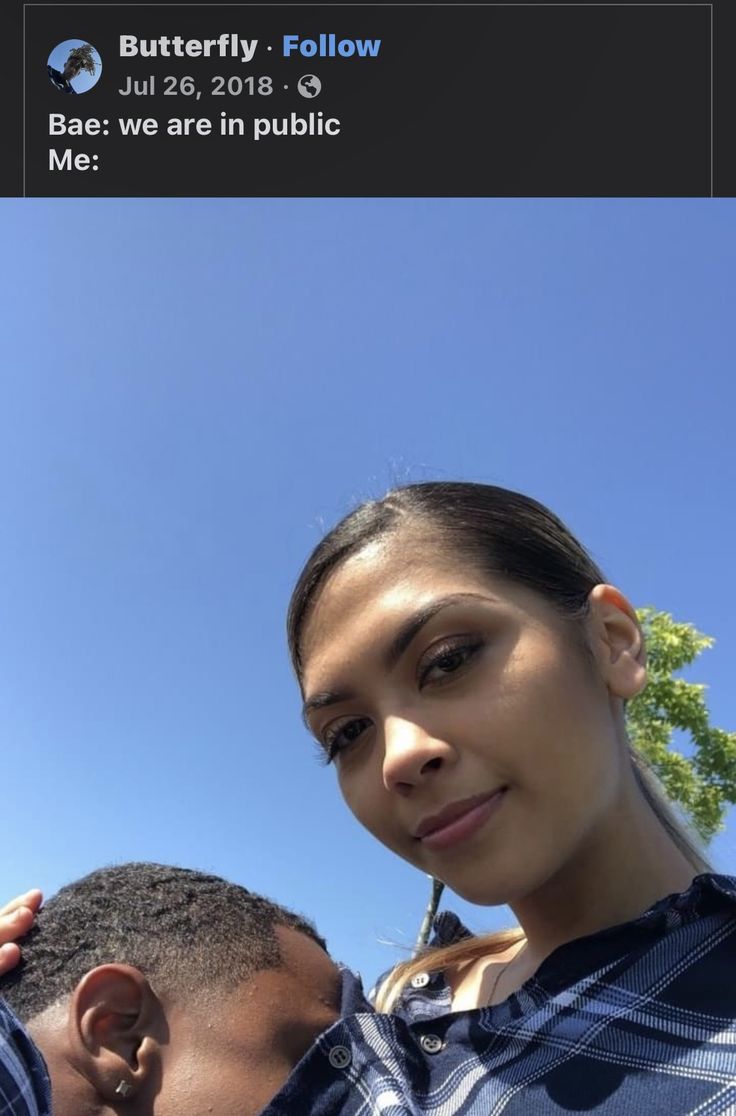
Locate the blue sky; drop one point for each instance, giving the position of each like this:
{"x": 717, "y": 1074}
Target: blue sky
{"x": 191, "y": 390}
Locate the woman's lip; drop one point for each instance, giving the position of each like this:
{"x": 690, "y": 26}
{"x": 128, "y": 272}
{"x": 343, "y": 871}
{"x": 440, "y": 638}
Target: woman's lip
{"x": 460, "y": 825}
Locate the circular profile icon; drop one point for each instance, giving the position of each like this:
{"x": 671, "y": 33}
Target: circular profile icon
{"x": 74, "y": 66}
{"x": 309, "y": 85}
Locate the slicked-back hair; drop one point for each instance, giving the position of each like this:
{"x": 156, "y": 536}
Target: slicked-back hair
{"x": 185, "y": 930}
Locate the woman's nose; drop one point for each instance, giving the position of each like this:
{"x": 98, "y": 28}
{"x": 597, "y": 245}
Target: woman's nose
{"x": 411, "y": 754}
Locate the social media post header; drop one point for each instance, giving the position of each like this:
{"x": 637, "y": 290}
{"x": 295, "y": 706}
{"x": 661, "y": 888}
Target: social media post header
{"x": 367, "y": 100}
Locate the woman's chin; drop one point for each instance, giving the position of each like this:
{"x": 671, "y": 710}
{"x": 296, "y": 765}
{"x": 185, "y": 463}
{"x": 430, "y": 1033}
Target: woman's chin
{"x": 485, "y": 890}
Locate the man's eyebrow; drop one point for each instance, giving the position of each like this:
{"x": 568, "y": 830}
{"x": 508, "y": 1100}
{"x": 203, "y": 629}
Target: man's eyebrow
{"x": 396, "y": 648}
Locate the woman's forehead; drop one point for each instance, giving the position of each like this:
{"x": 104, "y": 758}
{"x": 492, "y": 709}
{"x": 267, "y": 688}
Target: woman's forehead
{"x": 380, "y": 579}
{"x": 366, "y": 598}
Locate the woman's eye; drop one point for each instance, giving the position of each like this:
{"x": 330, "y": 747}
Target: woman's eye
{"x": 448, "y": 660}
{"x": 339, "y": 737}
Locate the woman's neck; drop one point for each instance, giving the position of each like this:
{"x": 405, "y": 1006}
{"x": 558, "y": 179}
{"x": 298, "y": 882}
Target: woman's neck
{"x": 625, "y": 867}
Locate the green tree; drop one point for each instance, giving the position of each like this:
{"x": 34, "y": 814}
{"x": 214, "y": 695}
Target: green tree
{"x": 669, "y": 725}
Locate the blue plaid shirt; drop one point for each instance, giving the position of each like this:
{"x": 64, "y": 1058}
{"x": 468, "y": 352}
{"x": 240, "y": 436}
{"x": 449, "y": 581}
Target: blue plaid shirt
{"x": 57, "y": 78}
{"x": 637, "y": 1019}
{"x": 24, "y": 1083}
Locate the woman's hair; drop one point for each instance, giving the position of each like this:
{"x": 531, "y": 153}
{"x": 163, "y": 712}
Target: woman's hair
{"x": 506, "y": 535}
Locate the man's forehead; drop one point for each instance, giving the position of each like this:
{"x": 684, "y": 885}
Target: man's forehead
{"x": 297, "y": 948}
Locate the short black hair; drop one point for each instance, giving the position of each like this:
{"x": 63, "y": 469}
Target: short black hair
{"x": 183, "y": 929}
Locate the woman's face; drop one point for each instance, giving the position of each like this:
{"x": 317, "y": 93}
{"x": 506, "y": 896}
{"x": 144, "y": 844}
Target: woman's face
{"x": 471, "y": 733}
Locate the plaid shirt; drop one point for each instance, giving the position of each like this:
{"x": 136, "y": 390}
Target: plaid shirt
{"x": 57, "y": 78}
{"x": 24, "y": 1083}
{"x": 637, "y": 1019}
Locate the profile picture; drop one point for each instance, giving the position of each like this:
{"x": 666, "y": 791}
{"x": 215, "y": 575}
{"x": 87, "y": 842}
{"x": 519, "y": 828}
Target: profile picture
{"x": 74, "y": 66}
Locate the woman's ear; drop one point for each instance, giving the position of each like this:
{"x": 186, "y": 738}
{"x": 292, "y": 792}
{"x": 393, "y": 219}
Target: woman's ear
{"x": 117, "y": 1026}
{"x": 617, "y": 641}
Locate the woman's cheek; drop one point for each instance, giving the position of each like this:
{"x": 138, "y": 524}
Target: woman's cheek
{"x": 371, "y": 806}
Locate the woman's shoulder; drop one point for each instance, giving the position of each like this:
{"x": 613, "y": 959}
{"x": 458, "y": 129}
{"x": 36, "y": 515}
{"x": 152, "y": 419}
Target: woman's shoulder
{"x": 692, "y": 931}
{"x": 447, "y": 929}
{"x": 710, "y": 894}
{"x": 427, "y": 992}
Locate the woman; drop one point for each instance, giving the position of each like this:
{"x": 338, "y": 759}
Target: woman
{"x": 466, "y": 667}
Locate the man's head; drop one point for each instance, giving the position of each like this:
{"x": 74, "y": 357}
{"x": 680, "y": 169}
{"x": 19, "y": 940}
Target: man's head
{"x": 80, "y": 58}
{"x": 150, "y": 988}
{"x": 72, "y": 68}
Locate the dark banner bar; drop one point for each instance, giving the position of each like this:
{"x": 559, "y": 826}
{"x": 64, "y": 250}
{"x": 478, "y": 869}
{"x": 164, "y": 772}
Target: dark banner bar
{"x": 367, "y": 99}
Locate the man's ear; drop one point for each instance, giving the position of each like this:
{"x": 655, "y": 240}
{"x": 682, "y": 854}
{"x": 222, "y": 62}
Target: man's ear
{"x": 617, "y": 641}
{"x": 116, "y": 1029}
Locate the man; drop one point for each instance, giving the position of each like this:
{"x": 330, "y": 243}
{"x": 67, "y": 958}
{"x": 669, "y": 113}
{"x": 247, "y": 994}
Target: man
{"x": 80, "y": 58}
{"x": 157, "y": 989}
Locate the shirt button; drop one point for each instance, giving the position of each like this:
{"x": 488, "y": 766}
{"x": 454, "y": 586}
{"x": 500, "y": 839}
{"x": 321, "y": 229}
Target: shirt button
{"x": 431, "y": 1044}
{"x": 421, "y": 980}
{"x": 340, "y": 1057}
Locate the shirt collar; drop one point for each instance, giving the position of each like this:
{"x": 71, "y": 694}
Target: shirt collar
{"x": 709, "y": 893}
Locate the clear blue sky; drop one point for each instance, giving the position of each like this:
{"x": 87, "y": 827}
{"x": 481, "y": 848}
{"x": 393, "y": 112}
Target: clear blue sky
{"x": 191, "y": 389}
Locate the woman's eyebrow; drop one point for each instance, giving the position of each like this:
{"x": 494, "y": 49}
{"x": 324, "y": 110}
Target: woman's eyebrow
{"x": 414, "y": 624}
{"x": 398, "y": 645}
{"x": 319, "y": 701}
